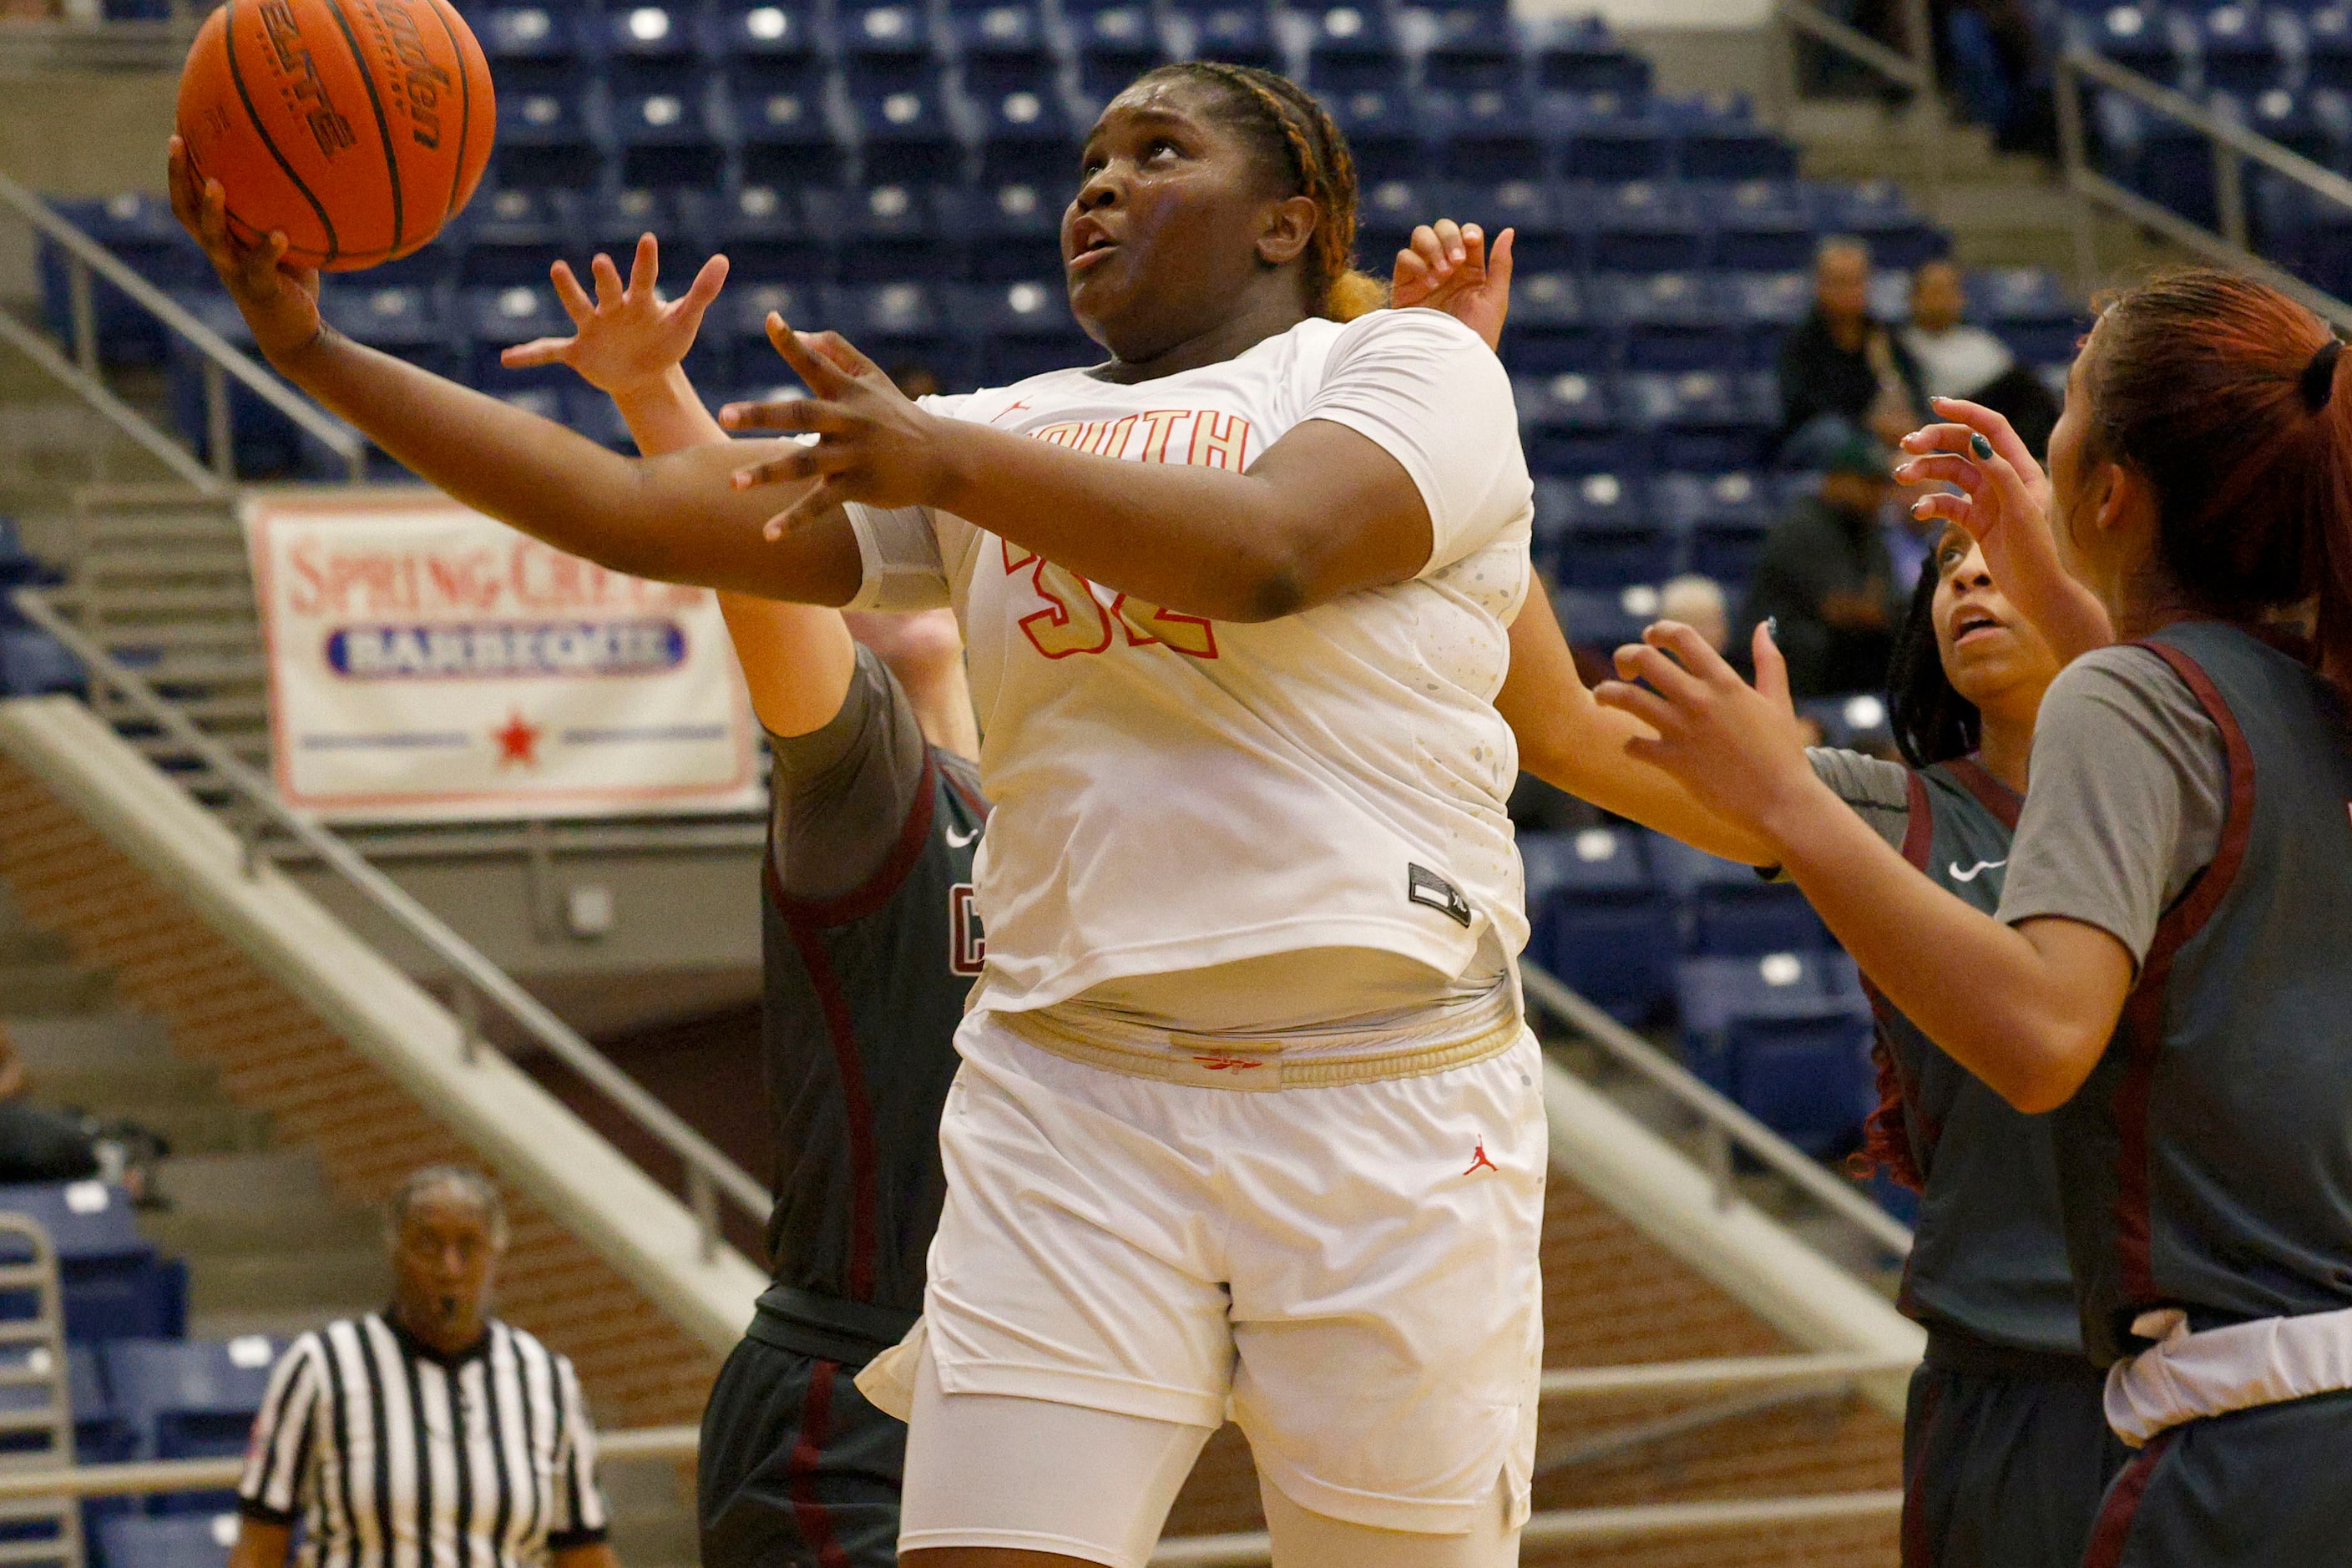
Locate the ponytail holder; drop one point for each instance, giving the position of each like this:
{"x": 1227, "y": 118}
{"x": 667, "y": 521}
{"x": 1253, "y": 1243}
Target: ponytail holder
{"x": 2319, "y": 376}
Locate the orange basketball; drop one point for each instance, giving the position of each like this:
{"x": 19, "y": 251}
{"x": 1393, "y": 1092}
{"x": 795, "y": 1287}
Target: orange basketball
{"x": 359, "y": 126}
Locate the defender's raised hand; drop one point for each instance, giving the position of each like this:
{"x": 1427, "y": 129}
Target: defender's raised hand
{"x": 1449, "y": 267}
{"x": 628, "y": 337}
{"x": 279, "y": 302}
{"x": 873, "y": 443}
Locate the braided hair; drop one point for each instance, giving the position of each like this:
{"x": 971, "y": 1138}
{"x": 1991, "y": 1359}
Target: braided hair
{"x": 1932, "y": 722}
{"x": 1296, "y": 142}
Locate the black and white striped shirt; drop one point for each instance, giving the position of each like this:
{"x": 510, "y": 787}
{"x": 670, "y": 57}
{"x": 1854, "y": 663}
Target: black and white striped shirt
{"x": 395, "y": 1456}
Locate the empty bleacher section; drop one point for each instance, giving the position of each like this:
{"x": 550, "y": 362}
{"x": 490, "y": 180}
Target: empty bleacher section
{"x": 2281, "y": 70}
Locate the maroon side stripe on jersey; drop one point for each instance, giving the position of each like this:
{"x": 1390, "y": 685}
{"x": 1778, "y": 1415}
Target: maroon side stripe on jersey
{"x": 1991, "y": 794}
{"x": 1886, "y": 1136}
{"x": 808, "y": 1453}
{"x": 2142, "y": 1029}
{"x": 876, "y": 890}
{"x": 2112, "y": 1534}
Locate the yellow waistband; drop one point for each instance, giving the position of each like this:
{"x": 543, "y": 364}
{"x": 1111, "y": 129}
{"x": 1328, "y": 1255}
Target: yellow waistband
{"x": 1226, "y": 1064}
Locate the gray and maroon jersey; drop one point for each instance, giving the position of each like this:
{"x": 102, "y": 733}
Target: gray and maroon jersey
{"x": 2207, "y": 1164}
{"x": 1989, "y": 1254}
{"x": 870, "y": 945}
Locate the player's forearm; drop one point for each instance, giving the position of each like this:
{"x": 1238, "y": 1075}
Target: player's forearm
{"x": 666, "y": 417}
{"x": 2028, "y": 1015}
{"x": 1199, "y": 541}
{"x": 673, "y": 519}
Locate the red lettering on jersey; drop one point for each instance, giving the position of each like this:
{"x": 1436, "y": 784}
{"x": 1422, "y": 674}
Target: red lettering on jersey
{"x": 1220, "y": 441}
{"x": 967, "y": 944}
{"x": 1072, "y": 620}
{"x": 1067, "y": 433}
{"x": 1156, "y": 424}
{"x": 1191, "y": 635}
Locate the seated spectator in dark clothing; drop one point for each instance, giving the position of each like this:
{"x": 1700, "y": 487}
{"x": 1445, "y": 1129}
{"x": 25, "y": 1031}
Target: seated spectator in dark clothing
{"x": 37, "y": 1145}
{"x": 1825, "y": 576}
{"x": 1957, "y": 360}
{"x": 1840, "y": 367}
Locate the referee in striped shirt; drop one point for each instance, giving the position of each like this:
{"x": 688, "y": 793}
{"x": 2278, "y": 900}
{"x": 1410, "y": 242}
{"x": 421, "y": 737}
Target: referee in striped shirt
{"x": 431, "y": 1434}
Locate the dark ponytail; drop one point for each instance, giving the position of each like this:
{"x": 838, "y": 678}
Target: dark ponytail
{"x": 1304, "y": 149}
{"x": 1932, "y": 722}
{"x": 2226, "y": 396}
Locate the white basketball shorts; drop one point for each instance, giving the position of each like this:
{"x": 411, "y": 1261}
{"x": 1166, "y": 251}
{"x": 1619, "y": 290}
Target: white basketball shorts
{"x": 1349, "y": 1271}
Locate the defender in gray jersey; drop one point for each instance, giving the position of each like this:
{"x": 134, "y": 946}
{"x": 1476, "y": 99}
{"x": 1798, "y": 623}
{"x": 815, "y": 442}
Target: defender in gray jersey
{"x": 2174, "y": 980}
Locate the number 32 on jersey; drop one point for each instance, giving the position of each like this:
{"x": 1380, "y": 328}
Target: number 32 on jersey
{"x": 1075, "y": 620}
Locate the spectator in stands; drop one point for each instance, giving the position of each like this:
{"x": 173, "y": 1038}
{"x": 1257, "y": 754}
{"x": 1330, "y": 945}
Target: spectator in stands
{"x": 430, "y": 1434}
{"x": 1840, "y": 369}
{"x": 1697, "y": 602}
{"x": 37, "y": 1145}
{"x": 1824, "y": 574}
{"x": 1957, "y": 360}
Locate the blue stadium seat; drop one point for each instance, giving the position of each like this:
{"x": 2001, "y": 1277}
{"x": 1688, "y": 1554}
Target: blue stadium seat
{"x": 1766, "y": 306}
{"x": 499, "y": 318}
{"x": 1354, "y": 45}
{"x": 883, "y": 39}
{"x": 548, "y": 134}
{"x": 1382, "y": 132}
{"x": 613, "y": 221}
{"x": 1026, "y": 133}
{"x": 1115, "y": 44}
{"x": 1577, "y": 54}
{"x": 1600, "y": 923}
{"x": 2033, "y": 310}
{"x": 1473, "y": 47}
{"x": 1387, "y": 214}
{"x": 1804, "y": 1069}
{"x": 35, "y": 664}
{"x": 1731, "y": 911}
{"x": 186, "y": 1540}
{"x": 141, "y": 232}
{"x": 1002, "y": 44}
{"x": 1726, "y": 151}
{"x": 2316, "y": 123}
{"x": 514, "y": 232}
{"x": 1607, "y": 149}
{"x": 1486, "y": 133}
{"x": 898, "y": 324}
{"x": 783, "y": 129}
{"x": 1570, "y": 425}
{"x": 1590, "y": 503}
{"x": 188, "y": 1399}
{"x": 668, "y": 133}
{"x": 115, "y": 1286}
{"x": 262, "y": 440}
{"x": 516, "y": 39}
{"x": 1702, "y": 420}
{"x": 1604, "y": 622}
{"x": 1726, "y": 517}
{"x": 408, "y": 322}
{"x": 1855, "y": 722}
{"x": 1670, "y": 321}
{"x": 1599, "y": 534}
{"x": 1024, "y": 328}
{"x": 101, "y": 1437}
{"x": 2324, "y": 45}
{"x": 650, "y": 43}
{"x": 1551, "y": 221}
{"x": 1762, "y": 226}
{"x": 1240, "y": 32}
{"x": 2156, "y": 155}
{"x": 904, "y": 130}
{"x": 738, "y": 323}
{"x": 757, "y": 36}
{"x": 2141, "y": 36}
{"x": 1878, "y": 213}
{"x": 2232, "y": 49}
{"x": 1709, "y": 993}
{"x": 1014, "y": 228}
{"x": 1645, "y": 226}
{"x": 1549, "y": 331}
{"x": 763, "y": 232}
{"x": 888, "y": 232}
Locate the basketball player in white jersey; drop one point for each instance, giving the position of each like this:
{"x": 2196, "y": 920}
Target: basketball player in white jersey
{"x": 1248, "y": 1117}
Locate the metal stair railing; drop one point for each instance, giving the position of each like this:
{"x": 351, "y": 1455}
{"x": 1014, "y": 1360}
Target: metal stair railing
{"x": 34, "y": 1400}
{"x": 710, "y": 1175}
{"x": 81, "y": 373}
{"x": 1725, "y": 1125}
{"x": 2233, "y": 146}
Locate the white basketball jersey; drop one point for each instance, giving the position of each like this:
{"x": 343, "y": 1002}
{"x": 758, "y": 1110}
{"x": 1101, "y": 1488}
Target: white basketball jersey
{"x": 1173, "y": 793}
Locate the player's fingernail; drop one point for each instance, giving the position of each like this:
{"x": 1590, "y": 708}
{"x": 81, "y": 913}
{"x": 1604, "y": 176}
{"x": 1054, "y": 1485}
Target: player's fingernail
{"x": 1980, "y": 446}
{"x": 1772, "y": 628}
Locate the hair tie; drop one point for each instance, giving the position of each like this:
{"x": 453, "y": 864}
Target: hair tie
{"x": 2319, "y": 376}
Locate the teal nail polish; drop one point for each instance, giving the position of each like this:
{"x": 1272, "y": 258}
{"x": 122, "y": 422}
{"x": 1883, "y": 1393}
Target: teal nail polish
{"x": 1980, "y": 446}
{"x": 1772, "y": 628}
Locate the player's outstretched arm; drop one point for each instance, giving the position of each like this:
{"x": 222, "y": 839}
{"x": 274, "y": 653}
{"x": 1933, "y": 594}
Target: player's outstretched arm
{"x": 630, "y": 343}
{"x": 1573, "y": 742}
{"x": 2027, "y": 1008}
{"x": 673, "y": 519}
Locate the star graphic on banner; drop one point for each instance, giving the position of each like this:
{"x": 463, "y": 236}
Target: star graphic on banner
{"x": 518, "y": 741}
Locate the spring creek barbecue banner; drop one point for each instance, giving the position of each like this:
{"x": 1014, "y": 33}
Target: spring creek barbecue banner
{"x": 429, "y": 665}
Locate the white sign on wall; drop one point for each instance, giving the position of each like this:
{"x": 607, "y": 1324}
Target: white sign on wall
{"x": 427, "y": 664}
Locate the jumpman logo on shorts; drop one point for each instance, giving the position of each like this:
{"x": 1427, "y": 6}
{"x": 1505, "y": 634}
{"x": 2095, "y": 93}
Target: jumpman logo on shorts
{"x": 1479, "y": 1162}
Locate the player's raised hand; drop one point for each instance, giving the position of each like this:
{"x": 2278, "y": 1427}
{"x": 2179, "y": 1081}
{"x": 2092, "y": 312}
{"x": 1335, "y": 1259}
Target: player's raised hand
{"x": 1448, "y": 267}
{"x": 1739, "y": 749}
{"x": 2004, "y": 503}
{"x": 873, "y": 443}
{"x": 627, "y": 338}
{"x": 279, "y": 302}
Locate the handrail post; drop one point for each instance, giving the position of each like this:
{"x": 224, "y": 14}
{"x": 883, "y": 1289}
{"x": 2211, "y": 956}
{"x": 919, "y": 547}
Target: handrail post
{"x": 2230, "y": 193}
{"x": 1927, "y": 103}
{"x": 2071, "y": 162}
{"x": 217, "y": 431}
{"x": 83, "y": 304}
{"x": 703, "y": 1199}
{"x": 466, "y": 1003}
